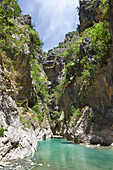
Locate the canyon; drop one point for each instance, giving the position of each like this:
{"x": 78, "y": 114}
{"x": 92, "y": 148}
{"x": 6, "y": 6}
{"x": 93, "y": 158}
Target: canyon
{"x": 66, "y": 92}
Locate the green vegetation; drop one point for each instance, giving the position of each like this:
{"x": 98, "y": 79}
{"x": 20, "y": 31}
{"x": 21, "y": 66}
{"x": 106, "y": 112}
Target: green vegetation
{"x": 25, "y": 121}
{"x": 2, "y": 130}
{"x": 35, "y": 38}
{"x": 16, "y": 40}
{"x": 39, "y": 90}
{"x": 99, "y": 42}
{"x": 39, "y": 114}
{"x": 40, "y": 81}
{"x": 13, "y": 37}
{"x": 9, "y": 8}
{"x": 76, "y": 112}
{"x": 84, "y": 56}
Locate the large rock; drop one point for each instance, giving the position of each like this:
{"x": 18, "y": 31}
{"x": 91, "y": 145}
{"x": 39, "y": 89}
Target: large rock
{"x": 92, "y": 127}
{"x": 88, "y": 13}
{"x": 17, "y": 143}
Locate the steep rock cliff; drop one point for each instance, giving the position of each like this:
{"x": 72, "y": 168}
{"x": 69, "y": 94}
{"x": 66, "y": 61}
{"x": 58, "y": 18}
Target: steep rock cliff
{"x": 95, "y": 124}
{"x": 20, "y": 126}
{"x": 15, "y": 143}
{"x": 88, "y": 13}
{"x": 86, "y": 89}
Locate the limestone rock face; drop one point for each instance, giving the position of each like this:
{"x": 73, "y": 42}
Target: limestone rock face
{"x": 97, "y": 128}
{"x": 99, "y": 97}
{"x": 18, "y": 141}
{"x": 93, "y": 127}
{"x": 23, "y": 77}
{"x": 88, "y": 13}
{"x": 27, "y": 19}
{"x": 53, "y": 66}
{"x": 15, "y": 143}
{"x": 21, "y": 64}
{"x": 43, "y": 131}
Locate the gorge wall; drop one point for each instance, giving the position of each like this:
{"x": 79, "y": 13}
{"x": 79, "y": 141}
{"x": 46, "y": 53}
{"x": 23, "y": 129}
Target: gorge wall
{"x": 21, "y": 123}
{"x": 87, "y": 117}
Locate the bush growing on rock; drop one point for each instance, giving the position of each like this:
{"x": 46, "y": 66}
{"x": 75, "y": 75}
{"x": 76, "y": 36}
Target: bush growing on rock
{"x": 2, "y": 130}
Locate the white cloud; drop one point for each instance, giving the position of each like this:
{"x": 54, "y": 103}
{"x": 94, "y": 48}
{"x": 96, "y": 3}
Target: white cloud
{"x": 53, "y": 18}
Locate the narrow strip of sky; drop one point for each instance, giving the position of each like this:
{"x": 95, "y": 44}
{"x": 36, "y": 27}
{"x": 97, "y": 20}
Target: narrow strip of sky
{"x": 52, "y": 18}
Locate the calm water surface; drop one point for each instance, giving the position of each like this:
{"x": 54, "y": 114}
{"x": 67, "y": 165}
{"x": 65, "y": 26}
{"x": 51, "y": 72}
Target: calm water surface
{"x": 57, "y": 154}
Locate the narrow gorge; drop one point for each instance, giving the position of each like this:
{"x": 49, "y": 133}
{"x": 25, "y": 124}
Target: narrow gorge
{"x": 66, "y": 92}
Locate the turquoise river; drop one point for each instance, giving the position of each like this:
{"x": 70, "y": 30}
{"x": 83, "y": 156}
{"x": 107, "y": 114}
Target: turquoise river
{"x": 59, "y": 154}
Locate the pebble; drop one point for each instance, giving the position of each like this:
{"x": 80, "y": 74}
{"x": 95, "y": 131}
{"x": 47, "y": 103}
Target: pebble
{"x": 112, "y": 144}
{"x": 98, "y": 145}
{"x": 40, "y": 164}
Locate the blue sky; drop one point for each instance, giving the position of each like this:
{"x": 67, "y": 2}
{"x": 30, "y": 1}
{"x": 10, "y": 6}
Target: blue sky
{"x": 52, "y": 18}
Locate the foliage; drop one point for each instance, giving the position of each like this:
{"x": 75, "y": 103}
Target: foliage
{"x": 39, "y": 114}
{"x": 25, "y": 121}
{"x": 39, "y": 89}
{"x": 71, "y": 61}
{"x": 2, "y": 130}
{"x": 13, "y": 38}
{"x": 85, "y": 68}
{"x": 76, "y": 112}
{"x": 92, "y": 3}
{"x": 104, "y": 6}
{"x": 55, "y": 117}
{"x": 10, "y": 8}
{"x": 101, "y": 41}
{"x": 18, "y": 39}
{"x": 35, "y": 38}
{"x": 57, "y": 92}
{"x": 40, "y": 81}
{"x": 9, "y": 73}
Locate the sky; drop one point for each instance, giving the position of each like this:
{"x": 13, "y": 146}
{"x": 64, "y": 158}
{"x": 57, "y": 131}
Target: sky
{"x": 52, "y": 19}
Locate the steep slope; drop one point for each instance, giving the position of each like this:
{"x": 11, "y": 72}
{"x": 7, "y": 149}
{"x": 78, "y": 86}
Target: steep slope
{"x": 85, "y": 91}
{"x": 23, "y": 85}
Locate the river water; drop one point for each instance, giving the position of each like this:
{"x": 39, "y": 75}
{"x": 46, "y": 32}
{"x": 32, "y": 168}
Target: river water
{"x": 59, "y": 154}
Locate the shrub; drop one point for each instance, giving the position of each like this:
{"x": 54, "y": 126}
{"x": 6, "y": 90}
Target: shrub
{"x": 2, "y": 130}
{"x": 10, "y": 8}
{"x": 35, "y": 38}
